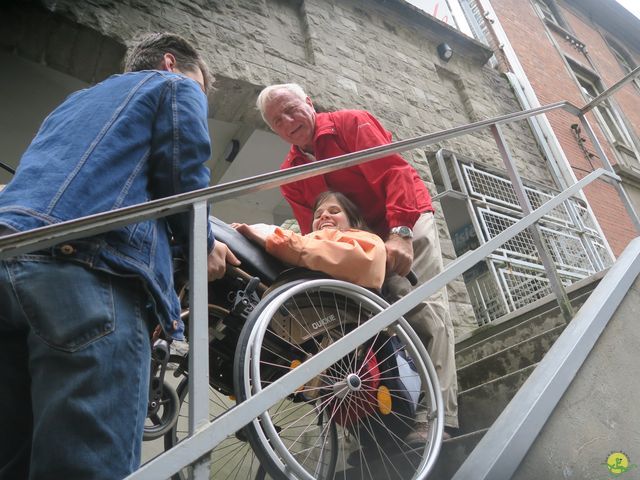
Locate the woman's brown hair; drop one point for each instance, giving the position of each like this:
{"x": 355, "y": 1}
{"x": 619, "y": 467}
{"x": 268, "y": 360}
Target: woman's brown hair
{"x": 356, "y": 220}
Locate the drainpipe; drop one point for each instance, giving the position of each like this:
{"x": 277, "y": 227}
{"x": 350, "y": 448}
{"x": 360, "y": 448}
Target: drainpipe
{"x": 527, "y": 96}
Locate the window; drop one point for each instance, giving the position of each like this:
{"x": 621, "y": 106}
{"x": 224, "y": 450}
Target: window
{"x": 549, "y": 12}
{"x": 607, "y": 117}
{"x": 624, "y": 59}
{"x": 447, "y": 11}
{"x": 590, "y": 90}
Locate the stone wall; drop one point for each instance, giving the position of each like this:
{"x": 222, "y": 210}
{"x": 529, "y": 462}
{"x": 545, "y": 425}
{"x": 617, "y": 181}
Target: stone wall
{"x": 378, "y": 55}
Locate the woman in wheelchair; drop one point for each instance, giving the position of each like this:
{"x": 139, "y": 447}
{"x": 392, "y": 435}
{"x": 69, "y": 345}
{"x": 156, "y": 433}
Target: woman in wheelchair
{"x": 340, "y": 244}
{"x": 264, "y": 320}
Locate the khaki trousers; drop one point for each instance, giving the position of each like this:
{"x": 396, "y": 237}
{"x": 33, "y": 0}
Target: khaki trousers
{"x": 430, "y": 319}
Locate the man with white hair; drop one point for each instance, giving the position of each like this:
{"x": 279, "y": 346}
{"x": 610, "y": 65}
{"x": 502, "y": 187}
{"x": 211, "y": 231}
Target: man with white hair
{"x": 394, "y": 202}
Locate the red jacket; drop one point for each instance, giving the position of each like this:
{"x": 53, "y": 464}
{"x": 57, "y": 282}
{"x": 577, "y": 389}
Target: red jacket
{"x": 388, "y": 191}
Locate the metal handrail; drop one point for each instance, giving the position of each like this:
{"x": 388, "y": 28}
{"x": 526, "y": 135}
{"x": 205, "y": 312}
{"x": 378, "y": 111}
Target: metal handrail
{"x": 102, "y": 222}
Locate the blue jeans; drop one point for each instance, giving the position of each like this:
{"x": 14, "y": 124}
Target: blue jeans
{"x": 75, "y": 353}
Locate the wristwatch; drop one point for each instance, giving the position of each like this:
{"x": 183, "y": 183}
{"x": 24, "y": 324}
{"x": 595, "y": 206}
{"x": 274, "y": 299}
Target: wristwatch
{"x": 402, "y": 231}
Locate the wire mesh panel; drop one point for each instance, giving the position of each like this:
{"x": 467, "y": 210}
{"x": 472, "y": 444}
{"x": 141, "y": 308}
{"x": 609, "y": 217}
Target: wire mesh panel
{"x": 567, "y": 251}
{"x": 489, "y": 187}
{"x": 486, "y": 296}
{"x": 520, "y": 246}
{"x": 523, "y": 286}
{"x": 515, "y": 275}
{"x": 497, "y": 190}
{"x": 559, "y": 214}
{"x": 603, "y": 253}
{"x": 585, "y": 218}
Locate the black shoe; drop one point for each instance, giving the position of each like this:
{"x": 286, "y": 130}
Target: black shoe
{"x": 449, "y": 433}
{"x": 419, "y": 436}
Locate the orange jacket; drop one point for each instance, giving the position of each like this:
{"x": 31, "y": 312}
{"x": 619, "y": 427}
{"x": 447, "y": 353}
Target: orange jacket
{"x": 352, "y": 255}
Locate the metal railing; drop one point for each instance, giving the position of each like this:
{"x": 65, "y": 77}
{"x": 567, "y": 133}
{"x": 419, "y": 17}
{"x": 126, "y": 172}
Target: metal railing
{"x": 504, "y": 446}
{"x": 205, "y": 435}
{"x": 481, "y": 202}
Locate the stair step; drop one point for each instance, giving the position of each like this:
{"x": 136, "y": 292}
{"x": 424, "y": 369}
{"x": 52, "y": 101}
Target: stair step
{"x": 529, "y": 321}
{"x": 493, "y": 364}
{"x": 480, "y": 406}
{"x": 454, "y": 452}
{"x": 508, "y": 360}
{"x": 509, "y": 336}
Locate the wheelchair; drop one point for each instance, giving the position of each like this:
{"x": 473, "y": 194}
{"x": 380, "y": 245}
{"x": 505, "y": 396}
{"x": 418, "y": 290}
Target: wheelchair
{"x": 351, "y": 421}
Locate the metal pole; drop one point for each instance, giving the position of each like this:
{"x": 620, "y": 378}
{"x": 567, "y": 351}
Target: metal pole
{"x": 554, "y": 279}
{"x": 198, "y": 331}
{"x": 607, "y": 166}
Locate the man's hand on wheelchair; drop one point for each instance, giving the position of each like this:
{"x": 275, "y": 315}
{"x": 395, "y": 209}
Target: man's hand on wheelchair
{"x": 399, "y": 255}
{"x": 217, "y": 261}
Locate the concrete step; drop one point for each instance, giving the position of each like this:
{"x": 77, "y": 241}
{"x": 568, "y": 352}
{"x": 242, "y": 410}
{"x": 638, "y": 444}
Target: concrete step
{"x": 454, "y": 452}
{"x": 494, "y": 362}
{"x": 510, "y": 331}
{"x": 479, "y": 406}
{"x": 504, "y": 338}
{"x": 508, "y": 360}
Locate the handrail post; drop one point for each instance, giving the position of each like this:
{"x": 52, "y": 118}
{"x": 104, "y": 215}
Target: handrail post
{"x": 198, "y": 330}
{"x": 609, "y": 168}
{"x": 554, "y": 279}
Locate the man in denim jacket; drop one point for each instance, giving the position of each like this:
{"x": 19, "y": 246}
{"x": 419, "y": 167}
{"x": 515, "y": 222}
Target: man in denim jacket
{"x": 75, "y": 319}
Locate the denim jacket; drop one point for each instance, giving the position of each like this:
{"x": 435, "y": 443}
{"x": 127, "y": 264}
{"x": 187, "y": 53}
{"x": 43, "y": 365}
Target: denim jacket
{"x": 132, "y": 138}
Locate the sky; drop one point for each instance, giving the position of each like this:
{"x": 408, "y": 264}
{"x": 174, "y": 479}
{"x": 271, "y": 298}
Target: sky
{"x": 631, "y": 5}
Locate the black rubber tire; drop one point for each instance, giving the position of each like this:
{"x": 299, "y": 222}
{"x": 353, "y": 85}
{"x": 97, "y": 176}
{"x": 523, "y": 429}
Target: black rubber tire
{"x": 169, "y": 416}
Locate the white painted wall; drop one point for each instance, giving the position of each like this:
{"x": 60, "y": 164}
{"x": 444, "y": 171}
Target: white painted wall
{"x": 30, "y": 91}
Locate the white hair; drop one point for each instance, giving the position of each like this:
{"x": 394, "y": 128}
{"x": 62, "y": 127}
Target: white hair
{"x": 268, "y": 92}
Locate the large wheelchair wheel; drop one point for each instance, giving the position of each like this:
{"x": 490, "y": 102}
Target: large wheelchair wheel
{"x": 353, "y": 420}
{"x": 231, "y": 459}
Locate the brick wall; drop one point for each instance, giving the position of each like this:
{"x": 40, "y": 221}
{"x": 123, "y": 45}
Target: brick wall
{"x": 552, "y": 82}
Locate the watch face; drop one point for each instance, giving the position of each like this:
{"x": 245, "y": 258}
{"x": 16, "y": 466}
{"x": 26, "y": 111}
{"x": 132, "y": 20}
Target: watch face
{"x": 402, "y": 231}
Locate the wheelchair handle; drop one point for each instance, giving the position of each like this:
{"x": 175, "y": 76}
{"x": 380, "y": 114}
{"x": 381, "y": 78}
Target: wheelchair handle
{"x": 413, "y": 279}
{"x": 234, "y": 271}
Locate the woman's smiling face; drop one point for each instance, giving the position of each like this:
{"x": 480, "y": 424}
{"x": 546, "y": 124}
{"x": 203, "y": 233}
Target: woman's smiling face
{"x": 330, "y": 214}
